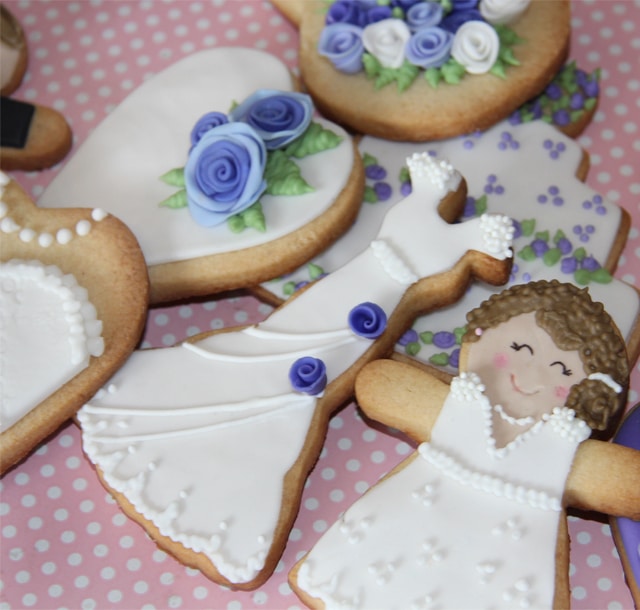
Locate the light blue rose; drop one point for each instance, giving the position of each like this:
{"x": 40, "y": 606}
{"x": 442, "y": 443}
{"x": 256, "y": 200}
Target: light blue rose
{"x": 341, "y": 44}
{"x": 224, "y": 173}
{"x": 279, "y": 117}
{"x": 429, "y": 47}
{"x": 424, "y": 15}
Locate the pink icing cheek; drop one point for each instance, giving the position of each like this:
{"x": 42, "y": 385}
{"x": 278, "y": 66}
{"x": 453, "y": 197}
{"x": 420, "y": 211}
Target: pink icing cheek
{"x": 562, "y": 391}
{"x": 500, "y": 360}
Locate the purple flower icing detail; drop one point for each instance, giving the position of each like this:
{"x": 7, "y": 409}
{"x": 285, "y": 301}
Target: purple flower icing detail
{"x": 410, "y": 336}
{"x": 368, "y": 320}
{"x": 429, "y": 47}
{"x": 455, "y": 19}
{"x": 341, "y": 43}
{"x": 224, "y": 173}
{"x": 345, "y": 11}
{"x": 383, "y": 190}
{"x": 423, "y": 15}
{"x": 278, "y": 117}
{"x": 205, "y": 123}
{"x": 444, "y": 339}
{"x": 308, "y": 375}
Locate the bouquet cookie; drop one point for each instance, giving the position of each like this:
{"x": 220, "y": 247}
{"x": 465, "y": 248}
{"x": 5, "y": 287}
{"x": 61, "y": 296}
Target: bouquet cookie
{"x": 502, "y": 450}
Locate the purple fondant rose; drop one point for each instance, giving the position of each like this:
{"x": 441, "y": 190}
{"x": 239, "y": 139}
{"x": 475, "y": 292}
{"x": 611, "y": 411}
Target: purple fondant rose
{"x": 277, "y": 116}
{"x": 205, "y": 123}
{"x": 424, "y": 15}
{"x": 341, "y": 44}
{"x": 367, "y": 320}
{"x": 308, "y": 375}
{"x": 454, "y": 20}
{"x": 345, "y": 11}
{"x": 224, "y": 173}
{"x": 429, "y": 47}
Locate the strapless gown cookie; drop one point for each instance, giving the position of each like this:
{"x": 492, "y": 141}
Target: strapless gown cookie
{"x": 73, "y": 302}
{"x": 303, "y": 198}
{"x": 207, "y": 444}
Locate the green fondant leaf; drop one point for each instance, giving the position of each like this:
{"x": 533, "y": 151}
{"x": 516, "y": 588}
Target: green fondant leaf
{"x": 452, "y": 71}
{"x": 560, "y": 234}
{"x": 507, "y": 36}
{"x": 527, "y": 254}
{"x": 543, "y": 235}
{"x": 433, "y": 77}
{"x": 405, "y": 75}
{"x": 459, "y": 332}
{"x": 590, "y": 103}
{"x": 412, "y": 348}
{"x": 371, "y": 65}
{"x": 601, "y": 276}
{"x": 289, "y": 288}
{"x": 253, "y": 217}
{"x": 426, "y": 337}
{"x": 368, "y": 159}
{"x": 441, "y": 359}
{"x": 315, "y": 271}
{"x": 236, "y": 223}
{"x": 481, "y": 205}
{"x": 579, "y": 254}
{"x": 174, "y": 177}
{"x": 404, "y": 176}
{"x": 176, "y": 201}
{"x": 507, "y": 56}
{"x": 370, "y": 195}
{"x": 551, "y": 256}
{"x": 283, "y": 176}
{"x": 498, "y": 69}
{"x": 314, "y": 140}
{"x": 582, "y": 277}
{"x": 385, "y": 77}
{"x": 528, "y": 227}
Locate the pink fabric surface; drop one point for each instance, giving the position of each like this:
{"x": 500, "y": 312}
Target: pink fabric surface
{"x": 64, "y": 542}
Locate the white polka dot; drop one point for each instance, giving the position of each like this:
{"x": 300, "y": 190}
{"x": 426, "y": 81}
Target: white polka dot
{"x": 55, "y": 590}
{"x": 328, "y": 474}
{"x": 377, "y": 457}
{"x": 353, "y": 465}
{"x": 319, "y": 526}
{"x": 48, "y": 568}
{"x": 583, "y": 537}
{"x": 107, "y": 573}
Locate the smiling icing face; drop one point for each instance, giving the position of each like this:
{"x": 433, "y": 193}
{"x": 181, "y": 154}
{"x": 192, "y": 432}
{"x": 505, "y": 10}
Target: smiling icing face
{"x": 525, "y": 373}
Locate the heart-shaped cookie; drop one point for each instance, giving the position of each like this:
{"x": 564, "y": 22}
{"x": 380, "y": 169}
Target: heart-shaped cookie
{"x": 74, "y": 294}
{"x": 119, "y": 169}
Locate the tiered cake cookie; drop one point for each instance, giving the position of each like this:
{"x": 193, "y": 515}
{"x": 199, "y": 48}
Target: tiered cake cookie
{"x": 208, "y": 444}
{"x": 475, "y": 517}
{"x": 224, "y": 186}
{"x": 73, "y": 303}
{"x": 417, "y": 70}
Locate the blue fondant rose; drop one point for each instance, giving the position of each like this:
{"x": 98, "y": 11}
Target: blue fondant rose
{"x": 367, "y": 320}
{"x": 454, "y": 20}
{"x": 205, "y": 123}
{"x": 424, "y": 15}
{"x": 429, "y": 47}
{"x": 224, "y": 173}
{"x": 308, "y": 375}
{"x": 341, "y": 43}
{"x": 278, "y": 117}
{"x": 345, "y": 11}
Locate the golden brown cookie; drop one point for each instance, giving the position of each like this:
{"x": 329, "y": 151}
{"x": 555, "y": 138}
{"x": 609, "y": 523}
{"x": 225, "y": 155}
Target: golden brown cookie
{"x": 74, "y": 301}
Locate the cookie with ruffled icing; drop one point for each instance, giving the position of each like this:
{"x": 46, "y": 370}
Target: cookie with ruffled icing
{"x": 224, "y": 186}
{"x": 502, "y": 450}
{"x": 208, "y": 443}
{"x": 423, "y": 70}
{"x": 73, "y": 301}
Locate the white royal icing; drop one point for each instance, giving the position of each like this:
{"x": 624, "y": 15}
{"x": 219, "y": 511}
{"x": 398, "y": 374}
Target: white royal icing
{"x": 205, "y": 414}
{"x": 48, "y": 332}
{"x": 150, "y": 131}
{"x": 453, "y": 514}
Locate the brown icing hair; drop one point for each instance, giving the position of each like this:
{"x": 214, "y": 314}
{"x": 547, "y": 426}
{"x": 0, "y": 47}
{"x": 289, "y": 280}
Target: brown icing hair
{"x": 574, "y": 322}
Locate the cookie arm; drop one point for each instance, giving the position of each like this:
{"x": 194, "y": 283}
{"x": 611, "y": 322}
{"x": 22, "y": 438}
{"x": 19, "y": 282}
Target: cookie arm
{"x": 605, "y": 477}
{"x": 401, "y": 396}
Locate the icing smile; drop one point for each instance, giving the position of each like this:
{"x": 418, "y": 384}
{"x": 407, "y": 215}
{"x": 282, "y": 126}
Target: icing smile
{"x": 518, "y": 389}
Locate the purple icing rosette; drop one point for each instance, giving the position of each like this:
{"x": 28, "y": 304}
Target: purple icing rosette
{"x": 278, "y": 117}
{"x": 308, "y": 375}
{"x": 429, "y": 47}
{"x": 341, "y": 43}
{"x": 205, "y": 123}
{"x": 224, "y": 173}
{"x": 423, "y": 15}
{"x": 367, "y": 320}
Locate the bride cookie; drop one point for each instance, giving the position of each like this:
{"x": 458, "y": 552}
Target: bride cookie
{"x": 224, "y": 186}
{"x": 502, "y": 451}
{"x": 208, "y": 444}
{"x": 73, "y": 303}
{"x": 418, "y": 71}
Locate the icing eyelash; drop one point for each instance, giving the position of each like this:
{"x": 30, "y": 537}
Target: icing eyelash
{"x": 607, "y": 380}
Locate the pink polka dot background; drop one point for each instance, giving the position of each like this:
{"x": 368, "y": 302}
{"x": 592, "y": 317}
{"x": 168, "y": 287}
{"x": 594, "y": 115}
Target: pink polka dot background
{"x": 64, "y": 542}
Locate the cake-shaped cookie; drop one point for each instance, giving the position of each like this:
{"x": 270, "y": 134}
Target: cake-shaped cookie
{"x": 224, "y": 186}
{"x": 475, "y": 517}
{"x": 73, "y": 303}
{"x": 420, "y": 70}
{"x": 208, "y": 444}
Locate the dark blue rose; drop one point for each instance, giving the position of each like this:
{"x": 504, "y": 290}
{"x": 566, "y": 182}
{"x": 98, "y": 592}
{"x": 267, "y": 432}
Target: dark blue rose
{"x": 367, "y": 320}
{"x": 464, "y": 5}
{"x": 429, "y": 47}
{"x": 455, "y": 19}
{"x": 375, "y": 14}
{"x": 205, "y": 123}
{"x": 308, "y": 375}
{"x": 345, "y": 11}
{"x": 277, "y": 116}
{"x": 224, "y": 173}
{"x": 341, "y": 43}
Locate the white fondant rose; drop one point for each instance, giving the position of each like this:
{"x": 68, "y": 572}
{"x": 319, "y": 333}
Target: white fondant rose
{"x": 502, "y": 11}
{"x": 385, "y": 40}
{"x": 475, "y": 46}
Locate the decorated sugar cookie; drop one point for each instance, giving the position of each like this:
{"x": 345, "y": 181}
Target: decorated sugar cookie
{"x": 419, "y": 70}
{"x": 475, "y": 517}
{"x": 208, "y": 444}
{"x": 73, "y": 303}
{"x": 224, "y": 187}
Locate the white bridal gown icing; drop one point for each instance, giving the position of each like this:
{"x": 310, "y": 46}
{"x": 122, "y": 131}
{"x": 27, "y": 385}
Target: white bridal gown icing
{"x": 462, "y": 526}
{"x": 199, "y": 435}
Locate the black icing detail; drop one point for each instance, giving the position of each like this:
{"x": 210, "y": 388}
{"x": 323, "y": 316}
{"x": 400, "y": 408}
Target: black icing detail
{"x": 15, "y": 121}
